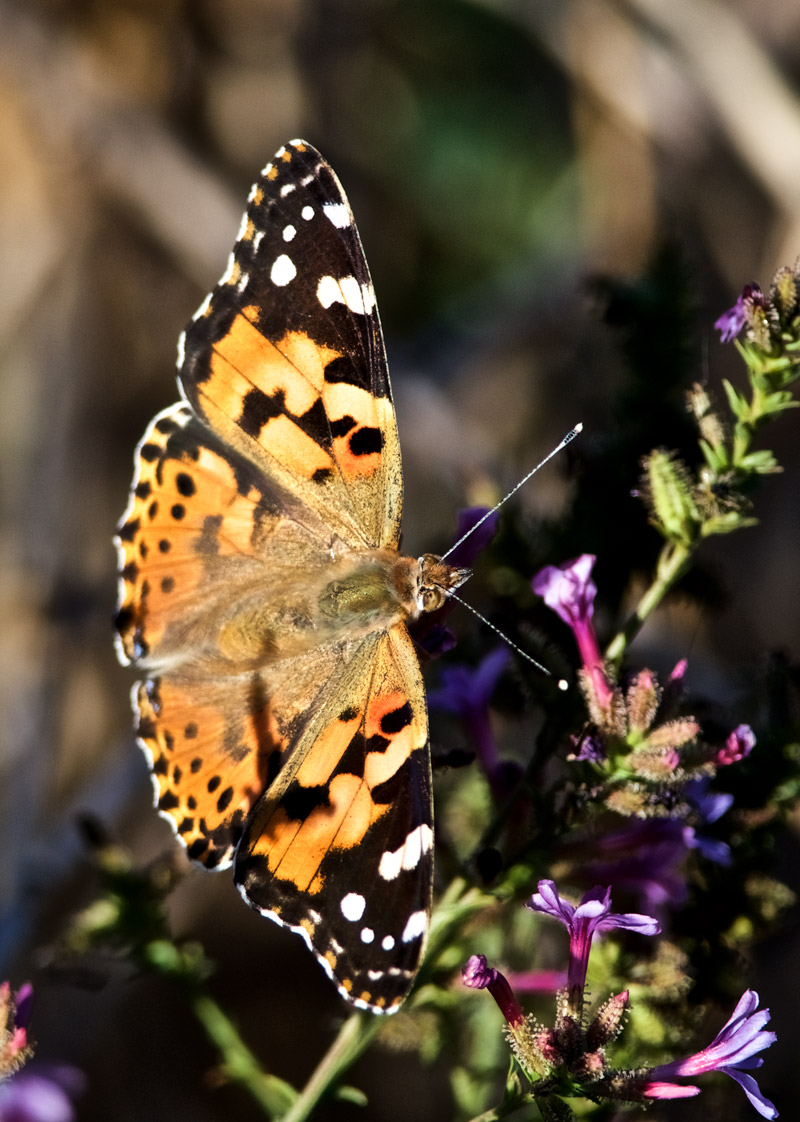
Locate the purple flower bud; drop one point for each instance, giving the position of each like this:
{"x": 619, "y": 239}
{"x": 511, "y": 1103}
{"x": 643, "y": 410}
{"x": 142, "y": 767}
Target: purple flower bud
{"x": 463, "y": 555}
{"x": 478, "y": 975}
{"x": 737, "y": 747}
{"x": 679, "y": 670}
{"x": 730, "y": 323}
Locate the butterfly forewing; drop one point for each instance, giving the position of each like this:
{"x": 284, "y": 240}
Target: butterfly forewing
{"x": 286, "y": 359}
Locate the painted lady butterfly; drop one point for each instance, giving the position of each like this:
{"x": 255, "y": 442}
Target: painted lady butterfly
{"x": 263, "y": 596}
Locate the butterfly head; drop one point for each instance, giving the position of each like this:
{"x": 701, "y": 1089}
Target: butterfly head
{"x": 436, "y": 579}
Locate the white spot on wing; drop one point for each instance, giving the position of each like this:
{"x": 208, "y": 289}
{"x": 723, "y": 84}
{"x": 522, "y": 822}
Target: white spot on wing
{"x": 417, "y": 925}
{"x": 408, "y": 856}
{"x": 338, "y": 214}
{"x": 287, "y": 189}
{"x": 352, "y": 294}
{"x": 283, "y": 270}
{"x": 359, "y": 298}
{"x": 367, "y": 934}
{"x": 307, "y": 212}
{"x": 259, "y": 234}
{"x": 387, "y": 942}
{"x": 328, "y": 291}
{"x": 352, "y": 906}
{"x": 289, "y": 232}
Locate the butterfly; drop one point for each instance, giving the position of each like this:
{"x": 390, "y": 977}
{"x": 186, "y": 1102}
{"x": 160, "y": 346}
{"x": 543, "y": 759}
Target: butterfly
{"x": 263, "y": 598}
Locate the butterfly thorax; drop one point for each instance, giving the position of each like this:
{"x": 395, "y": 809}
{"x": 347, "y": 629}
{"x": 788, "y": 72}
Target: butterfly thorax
{"x": 376, "y": 590}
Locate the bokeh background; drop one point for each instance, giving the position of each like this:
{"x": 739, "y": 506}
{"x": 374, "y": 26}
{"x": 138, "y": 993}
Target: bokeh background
{"x": 510, "y": 163}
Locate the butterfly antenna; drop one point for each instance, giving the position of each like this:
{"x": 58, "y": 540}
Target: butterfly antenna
{"x": 573, "y": 432}
{"x": 562, "y": 684}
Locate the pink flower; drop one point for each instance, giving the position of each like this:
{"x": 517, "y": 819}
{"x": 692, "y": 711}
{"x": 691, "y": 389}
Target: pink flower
{"x": 734, "y": 1051}
{"x": 592, "y": 915}
{"x": 570, "y": 591}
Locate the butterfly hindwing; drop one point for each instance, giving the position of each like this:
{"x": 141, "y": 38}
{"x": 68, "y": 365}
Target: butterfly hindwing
{"x": 340, "y": 849}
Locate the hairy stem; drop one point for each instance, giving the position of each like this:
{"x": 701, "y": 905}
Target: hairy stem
{"x": 673, "y": 562}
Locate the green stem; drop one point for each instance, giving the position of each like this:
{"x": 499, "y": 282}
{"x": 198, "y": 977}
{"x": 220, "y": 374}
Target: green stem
{"x": 187, "y": 967}
{"x": 238, "y": 1063}
{"x": 355, "y": 1036}
{"x": 672, "y": 564}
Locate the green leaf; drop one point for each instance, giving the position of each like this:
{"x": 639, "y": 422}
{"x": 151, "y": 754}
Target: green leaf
{"x": 739, "y": 405}
{"x": 717, "y": 457}
{"x": 760, "y": 463}
{"x": 727, "y": 523}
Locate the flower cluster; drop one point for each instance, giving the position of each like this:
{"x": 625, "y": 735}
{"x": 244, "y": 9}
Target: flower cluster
{"x": 646, "y": 753}
{"x": 571, "y": 1057}
{"x": 770, "y": 322}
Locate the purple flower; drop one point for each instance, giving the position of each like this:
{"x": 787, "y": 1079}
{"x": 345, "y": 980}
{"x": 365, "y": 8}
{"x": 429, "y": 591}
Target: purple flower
{"x": 590, "y": 748}
{"x": 468, "y": 692}
{"x": 644, "y": 858}
{"x": 734, "y": 1051}
{"x": 592, "y": 915}
{"x": 41, "y": 1094}
{"x": 478, "y": 975}
{"x": 730, "y": 323}
{"x": 739, "y": 745}
{"x": 570, "y": 591}
{"x": 710, "y": 805}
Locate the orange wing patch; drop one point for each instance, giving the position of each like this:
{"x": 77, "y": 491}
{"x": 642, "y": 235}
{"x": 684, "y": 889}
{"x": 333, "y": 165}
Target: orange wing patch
{"x": 169, "y": 533}
{"x": 283, "y": 400}
{"x": 212, "y": 753}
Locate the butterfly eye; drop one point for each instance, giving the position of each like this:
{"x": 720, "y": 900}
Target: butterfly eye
{"x": 431, "y": 599}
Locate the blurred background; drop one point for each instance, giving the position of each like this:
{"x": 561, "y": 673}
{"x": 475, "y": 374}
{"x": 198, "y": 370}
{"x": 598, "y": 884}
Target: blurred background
{"x": 518, "y": 169}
